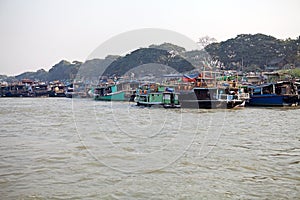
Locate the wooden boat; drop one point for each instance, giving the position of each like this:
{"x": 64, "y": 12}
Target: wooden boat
{"x": 124, "y": 91}
{"x": 25, "y": 88}
{"x": 282, "y": 93}
{"x": 17, "y": 90}
{"x": 154, "y": 94}
{"x": 204, "y": 92}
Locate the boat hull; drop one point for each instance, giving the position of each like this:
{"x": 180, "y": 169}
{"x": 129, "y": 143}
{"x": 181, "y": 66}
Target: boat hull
{"x": 273, "y": 100}
{"x": 164, "y": 99}
{"x": 205, "y": 98}
{"x": 57, "y": 94}
{"x": 118, "y": 96}
{"x": 41, "y": 94}
{"x": 211, "y": 104}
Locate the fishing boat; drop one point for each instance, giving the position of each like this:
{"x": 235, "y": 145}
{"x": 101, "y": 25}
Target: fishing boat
{"x": 154, "y": 94}
{"x": 282, "y": 93}
{"x": 204, "y": 92}
{"x": 124, "y": 91}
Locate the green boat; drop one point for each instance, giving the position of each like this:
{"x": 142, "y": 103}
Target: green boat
{"x": 155, "y": 94}
{"x": 117, "y": 92}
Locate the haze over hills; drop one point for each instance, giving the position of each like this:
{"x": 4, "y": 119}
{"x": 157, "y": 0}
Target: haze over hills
{"x": 245, "y": 52}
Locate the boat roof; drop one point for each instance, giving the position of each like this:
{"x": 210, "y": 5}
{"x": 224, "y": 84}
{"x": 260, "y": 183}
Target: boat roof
{"x": 260, "y": 86}
{"x": 269, "y": 84}
{"x": 207, "y": 88}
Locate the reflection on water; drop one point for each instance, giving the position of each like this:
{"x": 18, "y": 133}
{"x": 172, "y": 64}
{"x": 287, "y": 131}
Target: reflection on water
{"x": 82, "y": 149}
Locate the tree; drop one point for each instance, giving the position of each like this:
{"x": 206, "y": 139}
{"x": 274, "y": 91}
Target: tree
{"x": 206, "y": 40}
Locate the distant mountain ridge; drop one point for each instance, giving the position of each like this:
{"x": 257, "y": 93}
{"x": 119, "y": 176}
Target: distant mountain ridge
{"x": 64, "y": 70}
{"x": 112, "y": 64}
{"x": 245, "y": 52}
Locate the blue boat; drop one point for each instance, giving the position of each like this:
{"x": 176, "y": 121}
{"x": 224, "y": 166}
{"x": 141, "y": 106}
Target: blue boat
{"x": 274, "y": 94}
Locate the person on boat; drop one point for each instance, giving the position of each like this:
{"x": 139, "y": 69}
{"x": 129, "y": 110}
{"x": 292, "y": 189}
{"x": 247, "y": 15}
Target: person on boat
{"x": 233, "y": 83}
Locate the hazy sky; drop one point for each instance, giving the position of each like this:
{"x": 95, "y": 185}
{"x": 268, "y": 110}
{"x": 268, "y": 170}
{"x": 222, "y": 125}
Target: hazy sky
{"x": 37, "y": 34}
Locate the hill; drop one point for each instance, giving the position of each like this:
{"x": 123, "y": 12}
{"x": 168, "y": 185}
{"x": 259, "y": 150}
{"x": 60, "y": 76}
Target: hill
{"x": 256, "y": 51}
{"x": 63, "y": 70}
{"x": 92, "y": 69}
{"x": 38, "y": 75}
{"x": 144, "y": 56}
{"x": 169, "y": 47}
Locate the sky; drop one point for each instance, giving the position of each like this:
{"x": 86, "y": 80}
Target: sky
{"x": 36, "y": 34}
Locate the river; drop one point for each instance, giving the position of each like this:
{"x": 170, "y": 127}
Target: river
{"x": 60, "y": 148}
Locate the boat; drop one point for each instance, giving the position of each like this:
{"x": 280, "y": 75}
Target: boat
{"x": 108, "y": 93}
{"x": 25, "y": 88}
{"x": 76, "y": 90}
{"x": 124, "y": 91}
{"x": 297, "y": 84}
{"x": 70, "y": 91}
{"x": 151, "y": 94}
{"x": 283, "y": 93}
{"x": 205, "y": 92}
{"x": 16, "y": 90}
{"x": 213, "y": 97}
{"x": 40, "y": 90}
{"x": 57, "y": 89}
{"x": 4, "y": 90}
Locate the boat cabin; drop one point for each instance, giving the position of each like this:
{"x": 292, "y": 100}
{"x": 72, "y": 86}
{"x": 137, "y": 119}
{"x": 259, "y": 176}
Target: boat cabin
{"x": 280, "y": 88}
{"x": 155, "y": 94}
{"x": 103, "y": 91}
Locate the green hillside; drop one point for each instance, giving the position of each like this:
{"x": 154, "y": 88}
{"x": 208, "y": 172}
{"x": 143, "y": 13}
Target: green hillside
{"x": 255, "y": 52}
{"x": 146, "y": 56}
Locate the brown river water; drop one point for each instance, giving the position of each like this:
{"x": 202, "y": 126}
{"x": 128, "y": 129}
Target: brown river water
{"x": 59, "y": 148}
